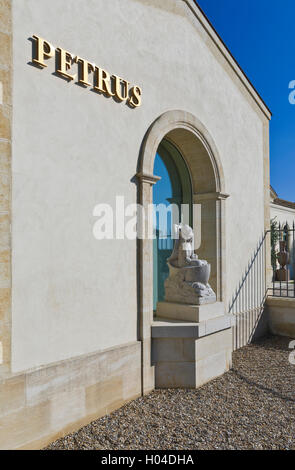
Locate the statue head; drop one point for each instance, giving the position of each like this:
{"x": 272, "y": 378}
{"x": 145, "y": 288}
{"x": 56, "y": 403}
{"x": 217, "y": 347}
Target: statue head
{"x": 185, "y": 232}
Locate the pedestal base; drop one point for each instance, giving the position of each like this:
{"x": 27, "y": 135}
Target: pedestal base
{"x": 187, "y": 355}
{"x": 282, "y": 274}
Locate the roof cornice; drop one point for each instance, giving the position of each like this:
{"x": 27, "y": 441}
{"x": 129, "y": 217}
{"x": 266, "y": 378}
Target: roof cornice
{"x": 202, "y": 18}
{"x": 284, "y": 203}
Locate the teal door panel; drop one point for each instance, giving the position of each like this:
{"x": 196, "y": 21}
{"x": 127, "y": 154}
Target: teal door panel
{"x": 173, "y": 188}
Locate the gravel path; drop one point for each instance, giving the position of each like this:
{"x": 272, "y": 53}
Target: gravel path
{"x": 250, "y": 407}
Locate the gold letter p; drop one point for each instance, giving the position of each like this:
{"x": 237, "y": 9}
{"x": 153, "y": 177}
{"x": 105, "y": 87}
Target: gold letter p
{"x": 44, "y": 50}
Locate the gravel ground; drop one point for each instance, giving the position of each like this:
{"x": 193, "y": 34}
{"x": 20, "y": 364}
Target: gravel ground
{"x": 250, "y": 407}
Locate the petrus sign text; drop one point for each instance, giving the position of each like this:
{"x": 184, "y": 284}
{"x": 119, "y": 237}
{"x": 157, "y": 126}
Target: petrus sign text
{"x": 73, "y": 67}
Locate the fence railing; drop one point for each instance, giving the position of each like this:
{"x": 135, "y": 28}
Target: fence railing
{"x": 248, "y": 300}
{"x": 283, "y": 260}
{"x": 247, "y": 303}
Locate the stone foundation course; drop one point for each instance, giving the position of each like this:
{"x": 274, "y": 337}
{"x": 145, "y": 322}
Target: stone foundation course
{"x": 250, "y": 407}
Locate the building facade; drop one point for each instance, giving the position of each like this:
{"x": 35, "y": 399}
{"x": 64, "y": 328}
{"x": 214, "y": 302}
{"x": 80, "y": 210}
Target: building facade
{"x": 90, "y": 92}
{"x": 281, "y": 211}
{"x": 282, "y": 215}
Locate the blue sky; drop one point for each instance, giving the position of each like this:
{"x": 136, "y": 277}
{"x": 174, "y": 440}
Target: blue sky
{"x": 261, "y": 36}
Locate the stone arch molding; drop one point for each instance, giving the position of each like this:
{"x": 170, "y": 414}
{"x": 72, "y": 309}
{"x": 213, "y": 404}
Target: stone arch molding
{"x": 165, "y": 125}
{"x": 201, "y": 155}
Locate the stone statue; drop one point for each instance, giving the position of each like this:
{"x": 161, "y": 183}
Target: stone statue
{"x": 188, "y": 276}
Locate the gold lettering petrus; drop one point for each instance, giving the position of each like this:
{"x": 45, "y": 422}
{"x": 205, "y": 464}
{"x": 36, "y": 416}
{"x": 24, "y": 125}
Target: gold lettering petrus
{"x": 44, "y": 50}
{"x": 65, "y": 60}
{"x": 84, "y": 70}
{"x": 121, "y": 88}
{"x": 102, "y": 82}
{"x": 70, "y": 66}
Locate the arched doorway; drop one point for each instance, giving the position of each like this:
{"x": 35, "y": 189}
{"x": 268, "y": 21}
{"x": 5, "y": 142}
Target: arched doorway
{"x": 187, "y": 134}
{"x": 173, "y": 190}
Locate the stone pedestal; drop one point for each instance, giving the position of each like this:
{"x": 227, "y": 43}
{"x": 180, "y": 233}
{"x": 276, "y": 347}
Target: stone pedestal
{"x": 191, "y": 335}
{"x": 187, "y": 354}
{"x": 189, "y": 313}
{"x": 282, "y": 274}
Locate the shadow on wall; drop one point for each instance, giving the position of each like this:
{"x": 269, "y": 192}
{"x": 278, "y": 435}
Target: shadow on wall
{"x": 249, "y": 298}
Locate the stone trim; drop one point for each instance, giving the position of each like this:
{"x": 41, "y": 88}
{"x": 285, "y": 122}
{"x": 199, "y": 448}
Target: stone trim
{"x": 284, "y": 302}
{"x": 5, "y": 184}
{"x": 210, "y": 196}
{"x": 177, "y": 329}
{"x": 281, "y": 316}
{"x": 146, "y": 178}
{"x": 178, "y": 119}
{"x": 273, "y": 194}
{"x": 41, "y": 405}
{"x": 266, "y": 178}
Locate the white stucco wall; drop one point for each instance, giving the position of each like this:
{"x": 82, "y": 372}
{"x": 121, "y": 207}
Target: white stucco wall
{"x": 73, "y": 149}
{"x": 282, "y": 214}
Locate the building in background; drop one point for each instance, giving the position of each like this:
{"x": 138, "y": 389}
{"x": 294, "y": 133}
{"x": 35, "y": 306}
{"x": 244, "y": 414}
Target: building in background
{"x": 282, "y": 216}
{"x": 280, "y": 210}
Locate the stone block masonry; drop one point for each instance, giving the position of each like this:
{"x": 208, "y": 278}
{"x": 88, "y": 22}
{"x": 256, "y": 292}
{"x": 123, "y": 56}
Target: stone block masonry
{"x": 44, "y": 404}
{"x": 5, "y": 183}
